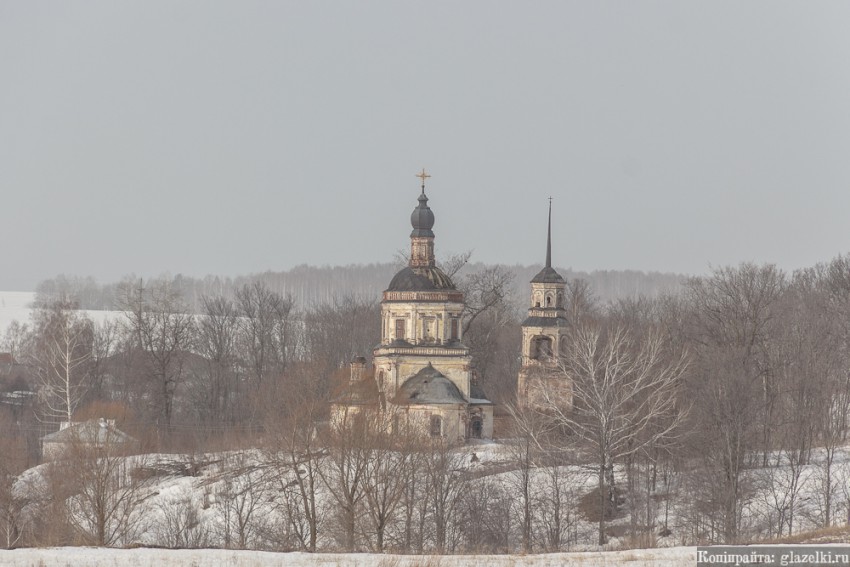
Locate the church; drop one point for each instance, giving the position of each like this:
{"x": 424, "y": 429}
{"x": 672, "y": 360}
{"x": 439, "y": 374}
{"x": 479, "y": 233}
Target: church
{"x": 422, "y": 370}
{"x": 544, "y": 334}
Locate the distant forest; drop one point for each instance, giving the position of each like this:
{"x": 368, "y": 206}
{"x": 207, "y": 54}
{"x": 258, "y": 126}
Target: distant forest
{"x": 312, "y": 285}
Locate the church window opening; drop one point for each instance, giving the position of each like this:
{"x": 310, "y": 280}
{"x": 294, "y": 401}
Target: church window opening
{"x": 399, "y": 329}
{"x": 428, "y": 329}
{"x": 541, "y": 348}
{"x": 548, "y": 301}
{"x": 455, "y": 329}
{"x": 436, "y": 426}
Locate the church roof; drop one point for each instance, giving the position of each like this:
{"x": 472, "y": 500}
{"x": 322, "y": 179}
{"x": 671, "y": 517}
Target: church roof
{"x": 548, "y": 275}
{"x": 545, "y": 322}
{"x": 422, "y": 217}
{"x": 421, "y": 279}
{"x": 429, "y": 386}
{"x": 476, "y": 393}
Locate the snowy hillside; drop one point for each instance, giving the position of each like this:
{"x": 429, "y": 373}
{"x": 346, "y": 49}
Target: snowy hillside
{"x": 208, "y": 500}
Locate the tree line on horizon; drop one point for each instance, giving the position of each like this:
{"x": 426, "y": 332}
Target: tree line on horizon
{"x": 313, "y": 285}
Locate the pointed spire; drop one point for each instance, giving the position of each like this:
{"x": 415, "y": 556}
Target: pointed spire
{"x": 549, "y": 238}
{"x": 548, "y": 273}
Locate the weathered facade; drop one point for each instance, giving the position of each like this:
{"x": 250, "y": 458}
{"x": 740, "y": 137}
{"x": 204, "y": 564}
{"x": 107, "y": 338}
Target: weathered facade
{"x": 421, "y": 369}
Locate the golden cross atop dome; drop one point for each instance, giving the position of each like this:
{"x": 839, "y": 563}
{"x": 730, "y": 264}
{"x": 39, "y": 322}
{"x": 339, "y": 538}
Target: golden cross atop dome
{"x": 423, "y": 176}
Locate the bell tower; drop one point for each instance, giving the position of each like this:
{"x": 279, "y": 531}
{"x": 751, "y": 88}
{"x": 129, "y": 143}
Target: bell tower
{"x": 544, "y": 330}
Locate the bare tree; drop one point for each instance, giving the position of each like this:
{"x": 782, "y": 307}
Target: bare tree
{"x": 105, "y": 339}
{"x": 625, "y": 396}
{"x": 104, "y": 505}
{"x": 162, "y": 332}
{"x": 179, "y": 525}
{"x": 268, "y": 337}
{"x": 581, "y": 303}
{"x": 12, "y": 502}
{"x": 495, "y": 350}
{"x": 485, "y": 513}
{"x": 344, "y": 470}
{"x": 339, "y": 330}
{"x": 484, "y": 290}
{"x": 388, "y": 472}
{"x": 239, "y": 497}
{"x": 531, "y": 432}
{"x": 16, "y": 339}
{"x": 293, "y": 455}
{"x": 215, "y": 385}
{"x": 818, "y": 322}
{"x": 730, "y": 325}
{"x": 445, "y": 483}
{"x": 734, "y": 310}
{"x": 61, "y": 352}
{"x": 556, "y": 501}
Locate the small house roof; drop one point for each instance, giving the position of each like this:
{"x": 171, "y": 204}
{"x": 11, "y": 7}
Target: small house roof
{"x": 93, "y": 431}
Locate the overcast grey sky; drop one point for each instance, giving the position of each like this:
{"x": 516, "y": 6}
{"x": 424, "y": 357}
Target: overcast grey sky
{"x": 235, "y": 137}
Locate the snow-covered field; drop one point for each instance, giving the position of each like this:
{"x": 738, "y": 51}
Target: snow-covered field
{"x": 17, "y": 306}
{"x": 100, "y": 557}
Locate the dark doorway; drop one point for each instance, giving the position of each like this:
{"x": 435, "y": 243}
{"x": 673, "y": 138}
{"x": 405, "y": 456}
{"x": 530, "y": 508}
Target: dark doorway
{"x": 476, "y": 427}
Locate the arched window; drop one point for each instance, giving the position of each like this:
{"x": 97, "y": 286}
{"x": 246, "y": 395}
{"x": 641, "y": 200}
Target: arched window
{"x": 541, "y": 347}
{"x": 548, "y": 301}
{"x": 436, "y": 426}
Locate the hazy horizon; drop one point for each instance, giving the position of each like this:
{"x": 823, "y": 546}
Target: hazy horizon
{"x": 234, "y": 138}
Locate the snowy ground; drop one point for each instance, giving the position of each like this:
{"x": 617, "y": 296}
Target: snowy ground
{"x": 17, "y": 306}
{"x": 100, "y": 557}
{"x": 171, "y": 485}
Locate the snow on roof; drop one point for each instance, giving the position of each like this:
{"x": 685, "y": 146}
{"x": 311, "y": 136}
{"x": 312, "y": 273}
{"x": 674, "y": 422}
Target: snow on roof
{"x": 429, "y": 386}
{"x": 96, "y": 431}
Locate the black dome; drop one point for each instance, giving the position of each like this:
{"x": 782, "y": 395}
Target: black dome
{"x": 421, "y": 279}
{"x": 422, "y": 218}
